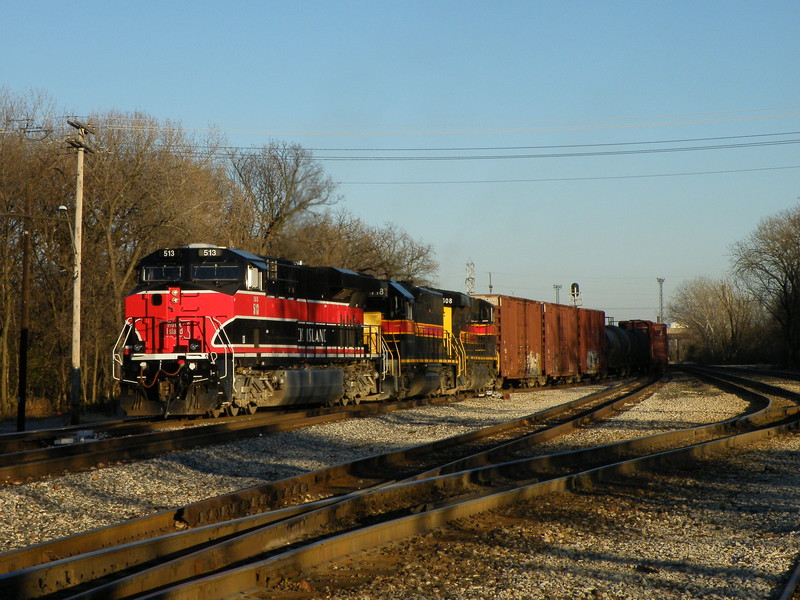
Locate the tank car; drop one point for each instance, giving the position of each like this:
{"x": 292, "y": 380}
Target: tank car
{"x": 211, "y": 330}
{"x": 656, "y": 349}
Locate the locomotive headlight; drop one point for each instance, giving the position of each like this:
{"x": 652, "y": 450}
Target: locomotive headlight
{"x": 192, "y": 366}
{"x": 142, "y": 365}
{"x": 174, "y": 300}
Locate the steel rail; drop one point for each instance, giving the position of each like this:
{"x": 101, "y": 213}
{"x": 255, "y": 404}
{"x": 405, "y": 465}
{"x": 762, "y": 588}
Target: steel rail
{"x": 777, "y": 373}
{"x": 727, "y": 375}
{"x": 407, "y": 496}
{"x": 265, "y": 497}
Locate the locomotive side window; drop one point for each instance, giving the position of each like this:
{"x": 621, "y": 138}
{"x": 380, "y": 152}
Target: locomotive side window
{"x": 253, "y": 278}
{"x": 216, "y": 272}
{"x": 162, "y": 273}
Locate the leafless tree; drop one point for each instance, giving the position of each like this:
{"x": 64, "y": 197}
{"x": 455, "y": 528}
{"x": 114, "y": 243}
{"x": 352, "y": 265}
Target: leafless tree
{"x": 341, "y": 239}
{"x": 718, "y": 315}
{"x": 148, "y": 185}
{"x": 26, "y": 157}
{"x": 277, "y": 183}
{"x": 768, "y": 263}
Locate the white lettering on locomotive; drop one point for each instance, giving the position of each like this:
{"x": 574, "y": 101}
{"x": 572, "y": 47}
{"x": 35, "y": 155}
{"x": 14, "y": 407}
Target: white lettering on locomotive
{"x": 312, "y": 335}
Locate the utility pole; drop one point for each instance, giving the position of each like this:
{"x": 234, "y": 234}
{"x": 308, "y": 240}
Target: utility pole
{"x": 557, "y": 288}
{"x": 75, "y": 374}
{"x": 660, "y": 281}
{"x": 490, "y": 283}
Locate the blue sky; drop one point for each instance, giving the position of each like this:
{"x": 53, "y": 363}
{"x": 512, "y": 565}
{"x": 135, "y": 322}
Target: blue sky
{"x": 487, "y": 88}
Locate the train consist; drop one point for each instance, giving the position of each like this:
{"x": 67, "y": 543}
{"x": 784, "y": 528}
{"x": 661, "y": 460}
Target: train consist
{"x": 212, "y": 330}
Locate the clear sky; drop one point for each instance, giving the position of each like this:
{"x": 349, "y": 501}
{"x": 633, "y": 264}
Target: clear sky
{"x": 470, "y": 101}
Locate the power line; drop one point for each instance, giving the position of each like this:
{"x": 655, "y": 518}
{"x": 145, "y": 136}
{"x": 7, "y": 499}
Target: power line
{"x": 405, "y": 129}
{"x": 555, "y": 179}
{"x": 559, "y": 154}
{"x": 498, "y": 148}
{"x": 226, "y": 151}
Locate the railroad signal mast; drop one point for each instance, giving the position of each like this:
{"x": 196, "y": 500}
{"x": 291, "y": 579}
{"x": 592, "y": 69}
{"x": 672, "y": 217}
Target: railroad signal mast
{"x": 575, "y": 295}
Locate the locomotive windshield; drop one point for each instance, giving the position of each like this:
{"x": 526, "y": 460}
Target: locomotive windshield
{"x": 216, "y": 272}
{"x": 162, "y": 273}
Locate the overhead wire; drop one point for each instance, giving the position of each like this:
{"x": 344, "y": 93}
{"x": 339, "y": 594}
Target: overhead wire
{"x": 556, "y": 179}
{"x": 378, "y": 129}
{"x": 518, "y": 152}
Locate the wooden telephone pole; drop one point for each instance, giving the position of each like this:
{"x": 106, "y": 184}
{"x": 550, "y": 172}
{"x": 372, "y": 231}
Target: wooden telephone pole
{"x": 75, "y": 374}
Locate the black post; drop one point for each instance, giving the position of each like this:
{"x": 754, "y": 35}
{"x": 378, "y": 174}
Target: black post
{"x": 22, "y": 395}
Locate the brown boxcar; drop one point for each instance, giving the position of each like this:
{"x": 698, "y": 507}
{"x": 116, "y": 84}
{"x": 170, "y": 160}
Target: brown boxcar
{"x": 539, "y": 341}
{"x": 593, "y": 342}
{"x": 520, "y": 349}
{"x": 561, "y": 341}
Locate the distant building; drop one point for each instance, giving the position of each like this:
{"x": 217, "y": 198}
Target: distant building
{"x": 678, "y": 338}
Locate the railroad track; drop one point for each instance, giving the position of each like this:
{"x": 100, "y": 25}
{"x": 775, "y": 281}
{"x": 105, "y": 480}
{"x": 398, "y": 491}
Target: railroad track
{"x": 203, "y": 518}
{"x": 495, "y": 474}
{"x": 35, "y": 454}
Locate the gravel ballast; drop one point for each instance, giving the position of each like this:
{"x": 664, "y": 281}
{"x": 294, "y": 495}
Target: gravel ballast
{"x": 727, "y": 528}
{"x": 59, "y": 506}
{"x": 724, "y": 530}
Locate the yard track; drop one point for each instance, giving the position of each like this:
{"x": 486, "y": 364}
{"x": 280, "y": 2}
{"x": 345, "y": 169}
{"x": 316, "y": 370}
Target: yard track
{"x": 363, "y": 504}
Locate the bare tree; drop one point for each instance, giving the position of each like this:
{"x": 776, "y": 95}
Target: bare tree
{"x": 768, "y": 263}
{"x": 26, "y": 157}
{"x": 718, "y": 315}
{"x": 147, "y": 186}
{"x": 277, "y": 183}
{"x": 344, "y": 240}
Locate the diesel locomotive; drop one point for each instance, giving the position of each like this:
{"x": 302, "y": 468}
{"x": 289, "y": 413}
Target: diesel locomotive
{"x": 212, "y": 331}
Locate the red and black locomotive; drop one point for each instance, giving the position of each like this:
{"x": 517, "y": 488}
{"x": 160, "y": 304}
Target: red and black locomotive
{"x": 211, "y": 330}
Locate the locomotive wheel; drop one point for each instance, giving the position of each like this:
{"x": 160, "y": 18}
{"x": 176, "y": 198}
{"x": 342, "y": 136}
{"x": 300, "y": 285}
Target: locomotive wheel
{"x": 251, "y": 409}
{"x": 231, "y": 410}
{"x": 214, "y": 412}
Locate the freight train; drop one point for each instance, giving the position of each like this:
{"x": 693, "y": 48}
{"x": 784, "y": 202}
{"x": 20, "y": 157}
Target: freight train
{"x": 212, "y": 330}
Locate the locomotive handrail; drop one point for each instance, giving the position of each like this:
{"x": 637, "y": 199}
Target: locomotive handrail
{"x": 116, "y": 352}
{"x": 461, "y": 354}
{"x": 395, "y": 358}
{"x": 373, "y": 340}
{"x": 225, "y": 342}
{"x": 385, "y": 351}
